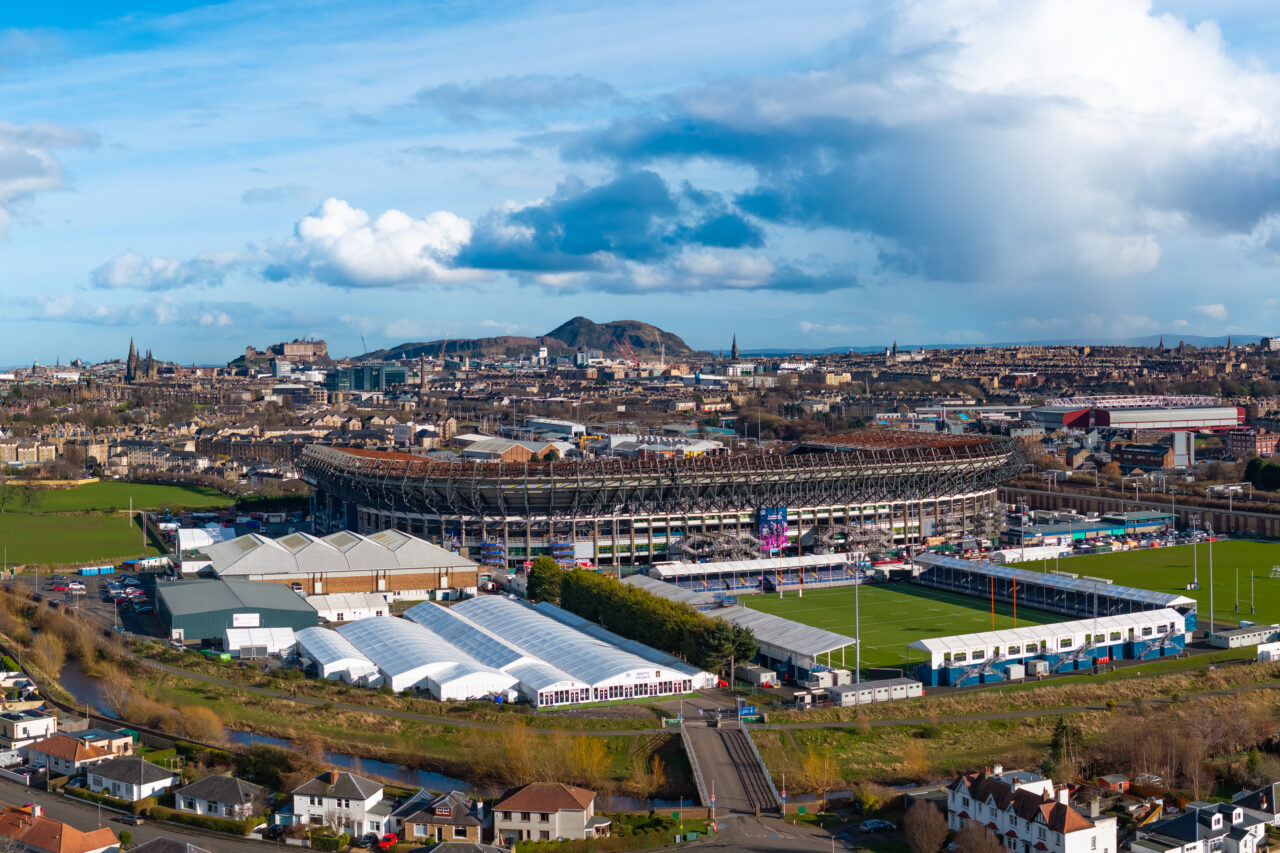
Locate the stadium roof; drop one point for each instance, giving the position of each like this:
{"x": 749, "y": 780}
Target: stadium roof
{"x": 671, "y": 591}
{"x": 344, "y": 551}
{"x": 194, "y": 597}
{"x": 582, "y": 656}
{"x": 1083, "y": 586}
{"x": 1051, "y": 631}
{"x": 738, "y": 567}
{"x": 782, "y": 633}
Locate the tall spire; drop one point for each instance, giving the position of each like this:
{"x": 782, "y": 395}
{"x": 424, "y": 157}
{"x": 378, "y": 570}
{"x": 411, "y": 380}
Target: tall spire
{"x": 1161, "y": 345}
{"x": 733, "y": 353}
{"x": 1228, "y": 343}
{"x": 895, "y": 346}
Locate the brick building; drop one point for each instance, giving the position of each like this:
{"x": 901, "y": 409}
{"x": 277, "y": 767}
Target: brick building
{"x": 1246, "y": 444}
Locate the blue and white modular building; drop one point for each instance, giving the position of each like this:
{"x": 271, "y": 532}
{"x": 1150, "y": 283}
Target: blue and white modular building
{"x": 1012, "y": 653}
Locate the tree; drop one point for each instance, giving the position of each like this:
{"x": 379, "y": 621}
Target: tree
{"x": 815, "y": 765}
{"x": 1111, "y": 472}
{"x": 973, "y": 837}
{"x": 924, "y": 827}
{"x": 29, "y": 490}
{"x": 545, "y": 579}
{"x": 4, "y": 488}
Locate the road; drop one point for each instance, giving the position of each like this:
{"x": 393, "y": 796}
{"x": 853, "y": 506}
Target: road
{"x": 85, "y": 816}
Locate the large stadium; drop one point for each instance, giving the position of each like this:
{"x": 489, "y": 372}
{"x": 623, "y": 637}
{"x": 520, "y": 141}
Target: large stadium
{"x": 864, "y": 490}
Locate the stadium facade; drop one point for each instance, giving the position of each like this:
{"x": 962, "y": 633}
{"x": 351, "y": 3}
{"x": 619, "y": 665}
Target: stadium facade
{"x": 871, "y": 489}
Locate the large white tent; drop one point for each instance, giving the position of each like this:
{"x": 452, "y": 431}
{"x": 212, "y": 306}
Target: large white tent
{"x": 411, "y": 657}
{"x": 334, "y": 657}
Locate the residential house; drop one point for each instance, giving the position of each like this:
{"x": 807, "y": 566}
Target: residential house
{"x": 221, "y": 796}
{"x": 64, "y": 755}
{"x": 20, "y": 728}
{"x": 166, "y": 845}
{"x": 130, "y": 778}
{"x": 1205, "y": 828}
{"x": 344, "y": 801}
{"x": 448, "y": 817}
{"x": 1027, "y": 812}
{"x": 29, "y": 829}
{"x": 545, "y": 811}
{"x": 116, "y": 743}
{"x": 1264, "y": 801}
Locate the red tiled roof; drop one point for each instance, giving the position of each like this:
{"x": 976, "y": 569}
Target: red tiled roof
{"x": 41, "y": 833}
{"x": 546, "y": 797}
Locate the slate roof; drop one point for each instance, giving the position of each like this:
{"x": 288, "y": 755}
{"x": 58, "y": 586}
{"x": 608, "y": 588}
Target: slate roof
{"x": 343, "y": 785}
{"x": 132, "y": 771}
{"x": 223, "y": 789}
{"x": 460, "y": 811}
{"x": 1027, "y": 805}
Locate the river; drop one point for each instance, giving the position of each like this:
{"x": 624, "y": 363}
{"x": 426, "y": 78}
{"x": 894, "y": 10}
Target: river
{"x": 88, "y": 692}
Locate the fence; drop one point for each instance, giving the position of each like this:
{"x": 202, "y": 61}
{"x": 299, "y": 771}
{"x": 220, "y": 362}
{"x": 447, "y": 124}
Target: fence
{"x": 693, "y": 762}
{"x": 763, "y": 769}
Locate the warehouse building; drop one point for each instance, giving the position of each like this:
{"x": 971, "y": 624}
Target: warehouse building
{"x": 202, "y": 611}
{"x": 1139, "y": 411}
{"x": 390, "y": 563}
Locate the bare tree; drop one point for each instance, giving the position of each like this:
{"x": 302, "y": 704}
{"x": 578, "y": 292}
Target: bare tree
{"x": 925, "y": 828}
{"x": 973, "y": 837}
{"x": 29, "y": 490}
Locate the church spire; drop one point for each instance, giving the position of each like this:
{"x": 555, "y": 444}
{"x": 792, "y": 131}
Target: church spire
{"x": 733, "y": 353}
{"x": 1161, "y": 345}
{"x": 895, "y": 346}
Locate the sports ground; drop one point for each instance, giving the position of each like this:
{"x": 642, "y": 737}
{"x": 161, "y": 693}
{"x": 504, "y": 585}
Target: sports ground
{"x": 891, "y": 616}
{"x": 60, "y": 529}
{"x": 1171, "y": 569}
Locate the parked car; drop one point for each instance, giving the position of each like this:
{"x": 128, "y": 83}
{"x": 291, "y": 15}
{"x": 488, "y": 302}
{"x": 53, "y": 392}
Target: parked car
{"x": 130, "y": 581}
{"x": 364, "y": 842}
{"x": 59, "y": 587}
{"x": 143, "y": 608}
{"x": 76, "y": 585}
{"x": 130, "y": 819}
{"x": 387, "y": 841}
{"x": 274, "y": 831}
{"x": 876, "y": 825}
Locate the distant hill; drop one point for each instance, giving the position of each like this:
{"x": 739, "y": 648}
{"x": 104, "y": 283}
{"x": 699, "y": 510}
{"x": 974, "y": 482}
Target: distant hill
{"x": 578, "y": 333}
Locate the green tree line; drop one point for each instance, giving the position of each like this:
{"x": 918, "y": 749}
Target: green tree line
{"x": 667, "y": 625}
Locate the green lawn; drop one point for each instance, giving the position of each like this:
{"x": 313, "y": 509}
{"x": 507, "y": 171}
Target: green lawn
{"x": 1170, "y": 570}
{"x": 109, "y": 495}
{"x": 60, "y": 539}
{"x": 893, "y": 615}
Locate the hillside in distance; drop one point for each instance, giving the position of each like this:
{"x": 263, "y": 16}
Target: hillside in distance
{"x": 578, "y": 333}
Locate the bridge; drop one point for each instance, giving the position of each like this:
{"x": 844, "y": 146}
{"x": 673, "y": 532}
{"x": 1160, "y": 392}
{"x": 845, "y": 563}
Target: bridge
{"x": 728, "y": 766}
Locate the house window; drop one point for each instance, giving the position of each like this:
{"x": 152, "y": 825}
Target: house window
{"x": 506, "y": 815}
{"x": 419, "y": 831}
{"x": 459, "y": 832}
{"x": 188, "y": 804}
{"x": 524, "y": 816}
{"x": 1093, "y": 842}
{"x": 544, "y": 836}
{"x": 1040, "y": 833}
{"x": 544, "y": 817}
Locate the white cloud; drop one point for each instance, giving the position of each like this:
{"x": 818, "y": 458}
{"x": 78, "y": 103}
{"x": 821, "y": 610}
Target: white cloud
{"x": 133, "y": 271}
{"x": 27, "y": 164}
{"x": 1215, "y": 311}
{"x": 161, "y": 310}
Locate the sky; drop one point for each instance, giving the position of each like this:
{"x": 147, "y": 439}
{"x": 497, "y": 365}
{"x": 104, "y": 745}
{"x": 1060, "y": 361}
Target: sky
{"x": 202, "y": 177}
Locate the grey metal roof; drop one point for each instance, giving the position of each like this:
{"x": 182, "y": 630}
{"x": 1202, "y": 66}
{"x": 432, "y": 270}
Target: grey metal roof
{"x": 783, "y": 633}
{"x": 1083, "y": 586}
{"x": 344, "y": 551}
{"x": 205, "y": 596}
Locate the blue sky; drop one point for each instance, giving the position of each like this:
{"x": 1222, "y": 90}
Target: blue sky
{"x": 201, "y": 177}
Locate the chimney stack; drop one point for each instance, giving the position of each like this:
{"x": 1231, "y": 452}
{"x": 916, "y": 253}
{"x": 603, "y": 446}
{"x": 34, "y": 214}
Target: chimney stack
{"x": 37, "y": 810}
{"x": 333, "y": 776}
{"x": 1095, "y": 808}
{"x": 1063, "y": 795}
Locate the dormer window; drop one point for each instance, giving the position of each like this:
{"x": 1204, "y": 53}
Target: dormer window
{"x": 1217, "y": 821}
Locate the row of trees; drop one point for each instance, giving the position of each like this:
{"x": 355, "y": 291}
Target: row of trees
{"x": 638, "y": 615}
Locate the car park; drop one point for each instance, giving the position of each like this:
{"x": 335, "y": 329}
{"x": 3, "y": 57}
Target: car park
{"x": 130, "y": 581}
{"x": 60, "y": 587}
{"x": 77, "y": 585}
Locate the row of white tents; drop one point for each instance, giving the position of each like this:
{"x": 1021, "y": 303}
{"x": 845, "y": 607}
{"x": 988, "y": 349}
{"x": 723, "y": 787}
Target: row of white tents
{"x": 493, "y": 646}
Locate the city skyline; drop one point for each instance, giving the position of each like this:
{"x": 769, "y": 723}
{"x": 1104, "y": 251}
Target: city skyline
{"x": 202, "y": 176}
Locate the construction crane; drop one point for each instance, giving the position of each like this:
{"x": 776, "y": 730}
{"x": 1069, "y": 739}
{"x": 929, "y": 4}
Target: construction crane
{"x": 627, "y": 351}
{"x": 363, "y": 344}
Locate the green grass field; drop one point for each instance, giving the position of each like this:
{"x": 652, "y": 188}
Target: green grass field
{"x": 891, "y": 616}
{"x": 109, "y": 495}
{"x": 1170, "y": 570}
{"x": 62, "y": 539}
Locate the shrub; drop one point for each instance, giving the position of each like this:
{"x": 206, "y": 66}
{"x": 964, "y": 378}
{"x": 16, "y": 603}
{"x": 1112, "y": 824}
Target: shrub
{"x": 325, "y": 842}
{"x": 10, "y": 665}
{"x": 215, "y": 824}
